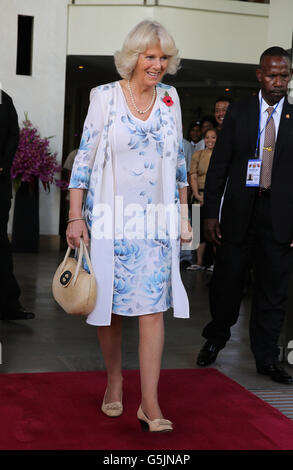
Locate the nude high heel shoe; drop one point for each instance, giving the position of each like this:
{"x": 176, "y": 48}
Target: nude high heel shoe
{"x": 112, "y": 410}
{"x": 157, "y": 425}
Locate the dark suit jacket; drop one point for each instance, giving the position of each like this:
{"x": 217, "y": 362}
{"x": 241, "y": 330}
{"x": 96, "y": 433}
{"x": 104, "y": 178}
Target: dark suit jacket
{"x": 228, "y": 167}
{"x": 9, "y": 135}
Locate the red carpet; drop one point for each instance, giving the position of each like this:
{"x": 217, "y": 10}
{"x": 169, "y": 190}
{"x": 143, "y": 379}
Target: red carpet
{"x": 61, "y": 411}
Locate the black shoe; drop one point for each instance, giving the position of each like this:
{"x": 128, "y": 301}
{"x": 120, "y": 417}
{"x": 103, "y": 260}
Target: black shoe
{"x": 19, "y": 314}
{"x": 208, "y": 354}
{"x": 276, "y": 373}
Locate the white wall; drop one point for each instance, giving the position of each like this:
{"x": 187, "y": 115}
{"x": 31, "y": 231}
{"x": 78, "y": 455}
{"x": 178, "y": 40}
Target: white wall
{"x": 280, "y": 29}
{"x": 216, "y": 30}
{"x": 42, "y": 94}
{"x": 280, "y": 25}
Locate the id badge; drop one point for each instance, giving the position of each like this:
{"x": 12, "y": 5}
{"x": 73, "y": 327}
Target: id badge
{"x": 253, "y": 173}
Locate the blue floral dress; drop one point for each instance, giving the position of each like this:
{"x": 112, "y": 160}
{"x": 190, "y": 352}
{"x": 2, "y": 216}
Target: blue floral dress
{"x": 138, "y": 163}
{"x": 142, "y": 263}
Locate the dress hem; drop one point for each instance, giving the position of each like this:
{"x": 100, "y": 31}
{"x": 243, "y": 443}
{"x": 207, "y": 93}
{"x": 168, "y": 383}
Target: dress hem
{"x": 130, "y": 316}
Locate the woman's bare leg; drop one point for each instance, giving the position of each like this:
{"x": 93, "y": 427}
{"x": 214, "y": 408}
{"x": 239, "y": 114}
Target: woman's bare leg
{"x": 110, "y": 339}
{"x": 151, "y": 342}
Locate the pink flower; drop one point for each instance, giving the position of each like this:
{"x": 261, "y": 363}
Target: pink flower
{"x": 33, "y": 158}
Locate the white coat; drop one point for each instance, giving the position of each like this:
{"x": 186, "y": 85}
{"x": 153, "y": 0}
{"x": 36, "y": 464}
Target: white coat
{"x": 93, "y": 171}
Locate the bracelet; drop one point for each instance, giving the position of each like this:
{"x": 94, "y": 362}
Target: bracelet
{"x": 73, "y": 220}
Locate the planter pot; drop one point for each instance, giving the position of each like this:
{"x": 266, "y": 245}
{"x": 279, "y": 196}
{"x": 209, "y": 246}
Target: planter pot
{"x": 25, "y": 228}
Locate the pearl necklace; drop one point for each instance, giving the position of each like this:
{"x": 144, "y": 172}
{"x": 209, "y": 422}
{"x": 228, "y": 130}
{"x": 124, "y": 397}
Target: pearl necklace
{"x": 134, "y": 103}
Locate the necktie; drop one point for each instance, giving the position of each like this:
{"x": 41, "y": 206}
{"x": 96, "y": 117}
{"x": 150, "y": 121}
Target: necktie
{"x": 268, "y": 151}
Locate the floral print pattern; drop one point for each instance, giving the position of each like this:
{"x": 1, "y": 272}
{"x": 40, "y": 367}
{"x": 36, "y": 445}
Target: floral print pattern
{"x": 142, "y": 284}
{"x": 142, "y": 270}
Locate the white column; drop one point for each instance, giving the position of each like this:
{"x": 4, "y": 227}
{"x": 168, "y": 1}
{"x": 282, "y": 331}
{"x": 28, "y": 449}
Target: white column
{"x": 280, "y": 24}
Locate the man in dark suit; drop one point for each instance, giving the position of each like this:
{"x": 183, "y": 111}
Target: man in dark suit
{"x": 10, "y": 307}
{"x": 256, "y": 216}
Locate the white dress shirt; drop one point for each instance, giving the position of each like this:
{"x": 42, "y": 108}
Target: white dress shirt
{"x": 188, "y": 152}
{"x": 200, "y": 145}
{"x": 264, "y": 116}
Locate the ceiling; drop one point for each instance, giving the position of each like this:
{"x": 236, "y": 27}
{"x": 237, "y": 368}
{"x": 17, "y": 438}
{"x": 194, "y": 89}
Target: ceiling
{"x": 193, "y": 73}
{"x": 199, "y": 83}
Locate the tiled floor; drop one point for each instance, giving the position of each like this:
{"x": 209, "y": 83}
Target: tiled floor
{"x": 55, "y": 341}
{"x": 280, "y": 399}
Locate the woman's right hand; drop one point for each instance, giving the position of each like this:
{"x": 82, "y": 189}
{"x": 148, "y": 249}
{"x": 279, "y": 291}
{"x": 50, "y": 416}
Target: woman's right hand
{"x": 75, "y": 230}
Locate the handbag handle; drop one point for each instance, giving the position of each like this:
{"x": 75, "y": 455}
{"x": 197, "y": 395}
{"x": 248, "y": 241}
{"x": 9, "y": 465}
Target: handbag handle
{"x": 81, "y": 251}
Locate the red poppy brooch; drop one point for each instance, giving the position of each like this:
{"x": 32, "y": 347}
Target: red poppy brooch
{"x": 167, "y": 99}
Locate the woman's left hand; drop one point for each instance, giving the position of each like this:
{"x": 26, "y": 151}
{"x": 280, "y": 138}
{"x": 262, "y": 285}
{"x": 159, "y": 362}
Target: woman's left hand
{"x": 186, "y": 231}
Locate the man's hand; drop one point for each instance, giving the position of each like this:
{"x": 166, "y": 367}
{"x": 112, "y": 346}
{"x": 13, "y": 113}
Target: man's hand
{"x": 212, "y": 231}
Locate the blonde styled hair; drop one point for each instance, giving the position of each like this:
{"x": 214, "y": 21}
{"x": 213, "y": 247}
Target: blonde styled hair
{"x": 145, "y": 34}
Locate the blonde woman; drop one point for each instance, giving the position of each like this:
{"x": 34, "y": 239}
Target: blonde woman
{"x": 131, "y": 153}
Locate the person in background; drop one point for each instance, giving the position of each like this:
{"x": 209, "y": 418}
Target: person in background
{"x": 207, "y": 122}
{"x": 221, "y": 107}
{"x": 188, "y": 151}
{"x": 10, "y": 306}
{"x": 132, "y": 149}
{"x": 194, "y": 133}
{"x": 198, "y": 170}
{"x": 68, "y": 164}
{"x": 186, "y": 255}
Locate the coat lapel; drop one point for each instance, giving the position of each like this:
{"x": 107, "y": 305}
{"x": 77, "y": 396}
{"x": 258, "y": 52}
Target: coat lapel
{"x": 285, "y": 121}
{"x": 253, "y": 124}
{"x": 284, "y": 126}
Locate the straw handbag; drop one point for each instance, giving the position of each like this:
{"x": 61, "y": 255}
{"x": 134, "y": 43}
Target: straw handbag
{"x": 74, "y": 289}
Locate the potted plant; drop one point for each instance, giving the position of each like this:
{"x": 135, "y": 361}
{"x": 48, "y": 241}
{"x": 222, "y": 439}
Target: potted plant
{"x": 33, "y": 161}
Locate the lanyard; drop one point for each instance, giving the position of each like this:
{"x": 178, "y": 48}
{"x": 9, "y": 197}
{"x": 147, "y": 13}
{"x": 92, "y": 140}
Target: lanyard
{"x": 261, "y": 131}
